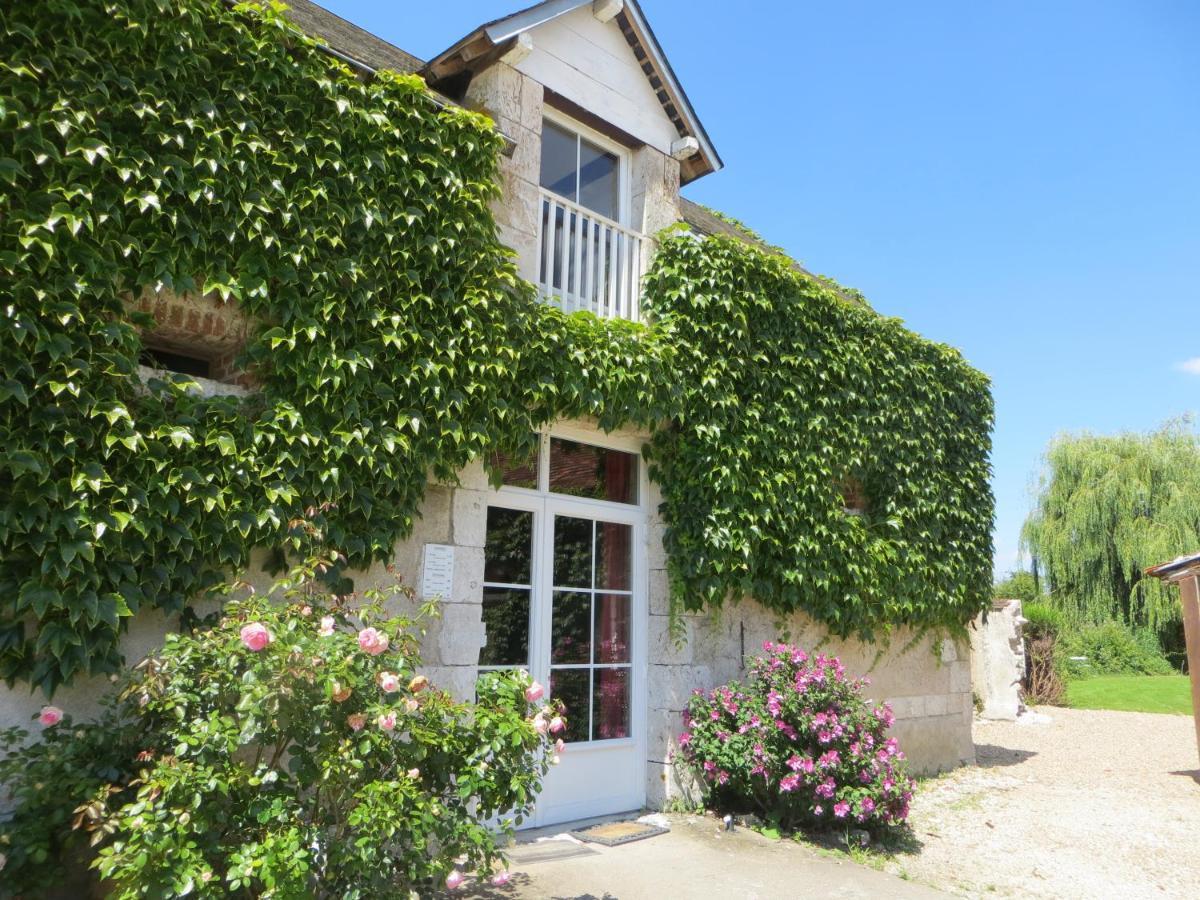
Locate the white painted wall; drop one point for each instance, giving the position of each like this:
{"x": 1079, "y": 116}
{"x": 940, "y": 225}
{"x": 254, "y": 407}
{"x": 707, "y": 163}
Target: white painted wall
{"x": 590, "y": 63}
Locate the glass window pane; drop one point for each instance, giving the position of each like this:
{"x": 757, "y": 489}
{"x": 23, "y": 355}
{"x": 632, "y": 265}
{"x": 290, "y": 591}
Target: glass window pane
{"x": 572, "y": 552}
{"x": 610, "y": 704}
{"x": 572, "y": 687}
{"x": 598, "y": 183}
{"x": 559, "y": 160}
{"x": 506, "y": 624}
{"x": 571, "y": 641}
{"x": 612, "y": 628}
{"x": 517, "y": 470}
{"x": 614, "y": 556}
{"x": 582, "y": 470}
{"x": 509, "y": 549}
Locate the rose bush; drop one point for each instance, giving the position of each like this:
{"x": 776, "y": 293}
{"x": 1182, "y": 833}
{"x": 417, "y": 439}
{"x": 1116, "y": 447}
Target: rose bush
{"x": 291, "y": 750}
{"x": 56, "y": 781}
{"x": 798, "y": 745}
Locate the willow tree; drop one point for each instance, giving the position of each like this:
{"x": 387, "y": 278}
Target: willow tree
{"x": 1107, "y": 507}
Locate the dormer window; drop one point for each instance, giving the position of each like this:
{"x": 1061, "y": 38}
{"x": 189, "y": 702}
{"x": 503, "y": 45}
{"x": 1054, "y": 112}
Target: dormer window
{"x": 588, "y": 259}
{"x": 580, "y": 171}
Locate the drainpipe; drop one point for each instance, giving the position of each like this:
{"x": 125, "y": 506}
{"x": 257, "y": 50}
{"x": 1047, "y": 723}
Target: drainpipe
{"x": 1185, "y": 572}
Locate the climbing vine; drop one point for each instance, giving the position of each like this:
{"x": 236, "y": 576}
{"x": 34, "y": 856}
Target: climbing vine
{"x": 789, "y": 392}
{"x": 183, "y": 146}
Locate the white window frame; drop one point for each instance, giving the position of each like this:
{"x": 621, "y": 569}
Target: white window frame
{"x": 624, "y": 159}
{"x": 624, "y": 443}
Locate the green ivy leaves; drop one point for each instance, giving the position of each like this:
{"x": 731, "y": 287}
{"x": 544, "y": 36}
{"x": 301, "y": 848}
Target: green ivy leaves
{"x": 150, "y": 146}
{"x": 787, "y": 390}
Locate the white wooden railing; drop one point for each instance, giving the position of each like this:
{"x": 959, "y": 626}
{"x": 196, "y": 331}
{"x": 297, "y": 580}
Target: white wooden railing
{"x": 588, "y": 261}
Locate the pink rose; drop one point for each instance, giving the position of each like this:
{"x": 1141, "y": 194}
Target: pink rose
{"x": 255, "y": 636}
{"x": 540, "y": 725}
{"x": 387, "y": 721}
{"x": 389, "y": 682}
{"x": 411, "y": 705}
{"x": 372, "y": 641}
{"x": 306, "y": 610}
{"x": 326, "y": 628}
{"x": 557, "y": 724}
{"x": 454, "y": 880}
{"x": 559, "y": 746}
{"x": 356, "y": 721}
{"x": 50, "y": 715}
{"x": 534, "y": 692}
{"x": 501, "y": 879}
{"x": 340, "y": 694}
{"x": 414, "y": 774}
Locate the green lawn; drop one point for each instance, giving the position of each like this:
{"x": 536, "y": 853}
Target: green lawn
{"x": 1137, "y": 693}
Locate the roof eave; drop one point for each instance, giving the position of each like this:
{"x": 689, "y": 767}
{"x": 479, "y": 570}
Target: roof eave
{"x": 712, "y": 159}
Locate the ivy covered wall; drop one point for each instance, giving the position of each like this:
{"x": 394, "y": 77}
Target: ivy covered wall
{"x": 790, "y": 393}
{"x": 183, "y": 146}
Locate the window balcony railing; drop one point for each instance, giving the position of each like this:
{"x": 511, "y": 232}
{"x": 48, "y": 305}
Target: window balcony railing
{"x": 588, "y": 261}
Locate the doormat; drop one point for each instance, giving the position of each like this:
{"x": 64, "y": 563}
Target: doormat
{"x": 611, "y": 834}
{"x": 547, "y": 851}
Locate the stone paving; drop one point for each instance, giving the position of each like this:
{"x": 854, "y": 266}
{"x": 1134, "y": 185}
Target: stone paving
{"x": 697, "y": 859}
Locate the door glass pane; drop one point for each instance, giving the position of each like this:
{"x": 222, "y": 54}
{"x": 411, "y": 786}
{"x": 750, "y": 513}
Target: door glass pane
{"x": 509, "y": 550}
{"x": 572, "y": 687}
{"x": 559, "y": 160}
{"x": 614, "y": 546}
{"x": 572, "y": 552}
{"x": 612, "y": 628}
{"x": 610, "y": 704}
{"x": 582, "y": 470}
{"x": 572, "y": 628}
{"x": 506, "y": 625}
{"x": 598, "y": 187}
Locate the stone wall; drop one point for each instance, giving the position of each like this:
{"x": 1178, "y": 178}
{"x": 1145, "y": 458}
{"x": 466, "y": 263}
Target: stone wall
{"x": 201, "y": 326}
{"x": 928, "y": 685}
{"x": 998, "y": 660}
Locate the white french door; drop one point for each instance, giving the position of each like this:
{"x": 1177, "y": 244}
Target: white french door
{"x": 565, "y": 595}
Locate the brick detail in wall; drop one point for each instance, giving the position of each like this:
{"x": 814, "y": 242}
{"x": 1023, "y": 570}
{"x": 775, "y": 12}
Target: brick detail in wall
{"x": 201, "y": 326}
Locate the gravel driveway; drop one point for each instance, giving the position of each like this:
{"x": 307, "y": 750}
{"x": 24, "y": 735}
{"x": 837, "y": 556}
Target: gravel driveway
{"x": 1092, "y": 804}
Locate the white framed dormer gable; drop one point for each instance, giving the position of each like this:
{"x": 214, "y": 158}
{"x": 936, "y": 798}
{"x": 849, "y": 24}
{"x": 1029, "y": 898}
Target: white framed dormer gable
{"x": 600, "y": 56}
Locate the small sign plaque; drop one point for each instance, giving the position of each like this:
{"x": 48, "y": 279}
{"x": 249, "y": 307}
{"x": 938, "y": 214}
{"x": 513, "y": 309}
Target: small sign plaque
{"x": 437, "y": 576}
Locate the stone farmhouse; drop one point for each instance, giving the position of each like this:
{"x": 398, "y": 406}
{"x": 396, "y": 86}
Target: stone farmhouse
{"x": 562, "y": 569}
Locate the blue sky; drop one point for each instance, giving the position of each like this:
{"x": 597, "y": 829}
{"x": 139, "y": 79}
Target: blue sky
{"x": 1019, "y": 179}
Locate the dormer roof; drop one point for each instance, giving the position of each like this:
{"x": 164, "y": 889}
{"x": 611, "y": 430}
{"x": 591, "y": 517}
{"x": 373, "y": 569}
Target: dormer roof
{"x": 511, "y": 37}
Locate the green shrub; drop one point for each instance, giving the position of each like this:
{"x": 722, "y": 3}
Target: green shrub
{"x": 1112, "y": 649}
{"x": 1042, "y": 620}
{"x": 1043, "y": 671}
{"x": 798, "y": 745}
{"x": 58, "y": 787}
{"x": 291, "y": 750}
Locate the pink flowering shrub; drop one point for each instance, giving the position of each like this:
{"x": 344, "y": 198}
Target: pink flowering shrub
{"x": 798, "y": 745}
{"x": 289, "y": 749}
